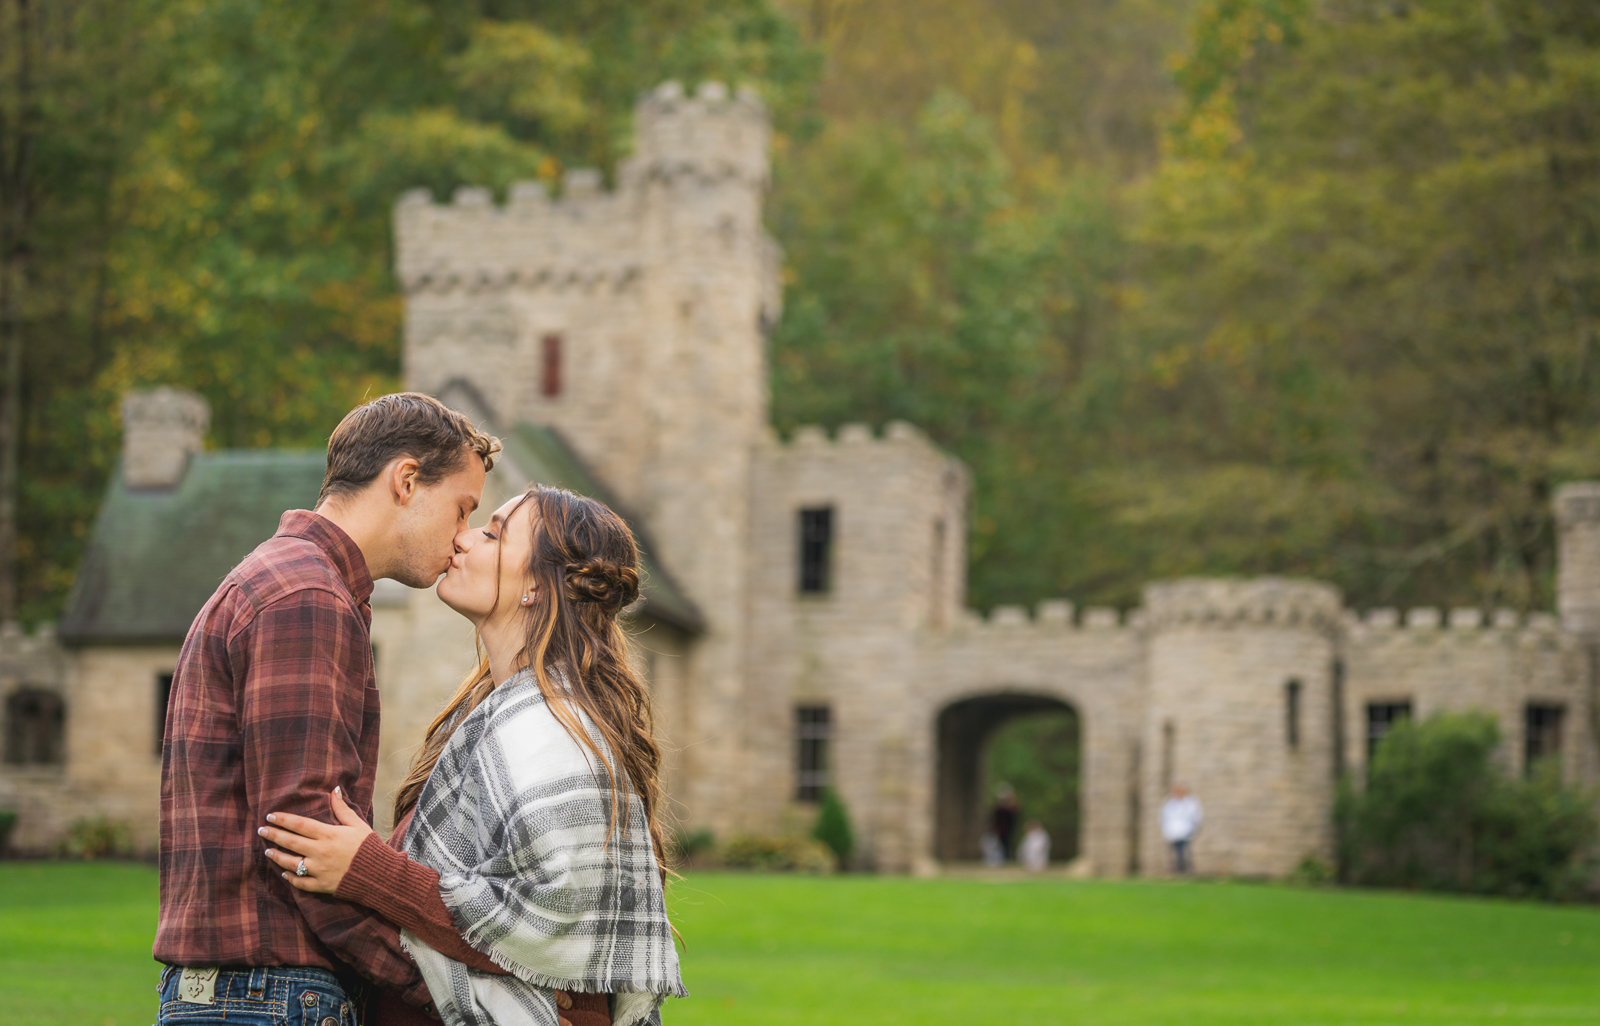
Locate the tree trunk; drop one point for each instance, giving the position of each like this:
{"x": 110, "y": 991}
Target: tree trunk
{"x": 18, "y": 125}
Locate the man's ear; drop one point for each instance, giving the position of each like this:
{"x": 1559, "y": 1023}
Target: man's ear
{"x": 403, "y": 480}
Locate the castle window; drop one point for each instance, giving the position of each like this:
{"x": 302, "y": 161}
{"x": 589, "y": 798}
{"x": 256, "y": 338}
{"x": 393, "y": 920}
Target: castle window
{"x": 1381, "y": 718}
{"x": 813, "y": 730}
{"x": 1542, "y": 732}
{"x": 163, "y": 697}
{"x": 816, "y": 549}
{"x": 35, "y": 728}
{"x": 1169, "y": 746}
{"x": 550, "y": 367}
{"x": 1291, "y": 712}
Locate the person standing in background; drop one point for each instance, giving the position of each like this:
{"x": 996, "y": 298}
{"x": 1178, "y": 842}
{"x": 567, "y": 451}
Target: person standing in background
{"x": 1003, "y": 821}
{"x": 1034, "y": 851}
{"x": 1180, "y": 821}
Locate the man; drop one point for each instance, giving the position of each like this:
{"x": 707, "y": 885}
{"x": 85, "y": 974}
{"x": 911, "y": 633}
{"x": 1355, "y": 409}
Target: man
{"x": 1180, "y": 820}
{"x": 274, "y": 704}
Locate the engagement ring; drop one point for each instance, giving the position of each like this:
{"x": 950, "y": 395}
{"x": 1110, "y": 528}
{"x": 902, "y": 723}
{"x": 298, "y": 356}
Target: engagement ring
{"x": 301, "y": 869}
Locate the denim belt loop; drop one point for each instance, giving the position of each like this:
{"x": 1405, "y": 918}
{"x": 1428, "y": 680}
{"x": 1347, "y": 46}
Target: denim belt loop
{"x": 258, "y": 981}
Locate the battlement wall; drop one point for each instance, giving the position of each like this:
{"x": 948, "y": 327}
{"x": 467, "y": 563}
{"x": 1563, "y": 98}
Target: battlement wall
{"x": 1253, "y": 602}
{"x": 588, "y": 237}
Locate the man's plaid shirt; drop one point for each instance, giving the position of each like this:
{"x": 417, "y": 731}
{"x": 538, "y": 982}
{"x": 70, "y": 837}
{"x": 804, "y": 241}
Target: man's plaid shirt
{"x": 274, "y": 702}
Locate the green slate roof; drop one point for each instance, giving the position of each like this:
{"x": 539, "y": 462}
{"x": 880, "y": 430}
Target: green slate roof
{"x": 157, "y": 555}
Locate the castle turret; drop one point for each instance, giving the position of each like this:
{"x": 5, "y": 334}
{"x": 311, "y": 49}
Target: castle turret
{"x": 633, "y": 322}
{"x": 1241, "y": 701}
{"x": 1577, "y": 508}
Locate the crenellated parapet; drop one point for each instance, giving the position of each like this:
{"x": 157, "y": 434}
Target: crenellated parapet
{"x": 1255, "y": 602}
{"x": 1467, "y": 625}
{"x": 1051, "y": 618}
{"x": 586, "y": 238}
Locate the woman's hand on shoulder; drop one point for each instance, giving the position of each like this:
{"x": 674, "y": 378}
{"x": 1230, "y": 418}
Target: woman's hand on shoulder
{"x": 324, "y": 850}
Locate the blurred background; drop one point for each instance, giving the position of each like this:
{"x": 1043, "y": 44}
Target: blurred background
{"x": 1235, "y": 287}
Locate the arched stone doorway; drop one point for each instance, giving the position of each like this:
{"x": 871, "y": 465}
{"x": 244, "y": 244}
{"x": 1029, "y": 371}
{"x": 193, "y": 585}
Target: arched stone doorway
{"x": 964, "y": 730}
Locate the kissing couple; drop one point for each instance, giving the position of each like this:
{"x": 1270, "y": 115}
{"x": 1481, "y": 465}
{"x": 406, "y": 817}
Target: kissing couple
{"x": 524, "y": 882}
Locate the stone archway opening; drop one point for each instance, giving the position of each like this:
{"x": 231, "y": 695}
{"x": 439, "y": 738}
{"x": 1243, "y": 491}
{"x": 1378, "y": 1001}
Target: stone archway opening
{"x": 967, "y": 736}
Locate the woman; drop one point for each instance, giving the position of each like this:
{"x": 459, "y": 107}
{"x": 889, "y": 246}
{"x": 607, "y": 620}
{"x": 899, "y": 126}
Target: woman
{"x": 531, "y": 811}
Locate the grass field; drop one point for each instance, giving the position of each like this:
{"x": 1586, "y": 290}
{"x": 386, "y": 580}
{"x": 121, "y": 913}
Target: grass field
{"x": 75, "y": 942}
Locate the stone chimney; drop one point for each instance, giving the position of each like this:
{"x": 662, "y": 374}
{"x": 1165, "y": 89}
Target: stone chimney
{"x": 161, "y": 428}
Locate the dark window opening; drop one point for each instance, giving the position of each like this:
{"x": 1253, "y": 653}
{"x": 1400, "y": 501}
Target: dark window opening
{"x": 550, "y": 378}
{"x": 1542, "y": 735}
{"x": 816, "y": 545}
{"x": 35, "y": 728}
{"x": 163, "y": 698}
{"x": 1169, "y": 744}
{"x": 813, "y": 728}
{"x": 1291, "y": 711}
{"x": 1381, "y": 718}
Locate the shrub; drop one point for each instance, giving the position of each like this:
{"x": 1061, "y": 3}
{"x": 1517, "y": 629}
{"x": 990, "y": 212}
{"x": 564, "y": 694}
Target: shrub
{"x": 689, "y": 846}
{"x": 777, "y": 854}
{"x": 833, "y": 827}
{"x": 1439, "y": 813}
{"x": 97, "y": 837}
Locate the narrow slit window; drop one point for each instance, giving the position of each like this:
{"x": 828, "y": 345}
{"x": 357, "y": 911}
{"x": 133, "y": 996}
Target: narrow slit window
{"x": 813, "y": 726}
{"x": 550, "y": 366}
{"x": 1381, "y": 719}
{"x": 35, "y": 728}
{"x": 1542, "y": 732}
{"x": 1169, "y": 745}
{"x": 1291, "y": 713}
{"x": 816, "y": 550}
{"x": 163, "y": 699}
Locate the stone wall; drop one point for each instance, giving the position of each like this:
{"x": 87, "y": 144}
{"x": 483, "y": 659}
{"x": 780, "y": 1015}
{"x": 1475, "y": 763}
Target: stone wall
{"x": 1462, "y": 663}
{"x": 898, "y": 543}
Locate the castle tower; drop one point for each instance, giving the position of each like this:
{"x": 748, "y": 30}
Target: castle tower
{"x": 633, "y": 321}
{"x": 1577, "y": 508}
{"x": 1240, "y": 711}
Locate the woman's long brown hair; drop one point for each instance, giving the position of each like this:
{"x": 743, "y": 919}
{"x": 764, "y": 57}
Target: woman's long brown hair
{"x": 585, "y": 569}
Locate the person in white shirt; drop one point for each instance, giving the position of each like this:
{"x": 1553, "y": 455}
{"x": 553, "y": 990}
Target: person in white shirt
{"x": 1034, "y": 851}
{"x": 1180, "y": 820}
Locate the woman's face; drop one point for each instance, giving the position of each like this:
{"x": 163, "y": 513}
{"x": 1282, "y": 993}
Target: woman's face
{"x": 492, "y": 560}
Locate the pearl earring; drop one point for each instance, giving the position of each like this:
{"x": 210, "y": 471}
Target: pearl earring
{"x": 524, "y": 598}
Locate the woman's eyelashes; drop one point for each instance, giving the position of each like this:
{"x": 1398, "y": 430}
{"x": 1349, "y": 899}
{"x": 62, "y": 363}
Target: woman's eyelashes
{"x": 489, "y": 534}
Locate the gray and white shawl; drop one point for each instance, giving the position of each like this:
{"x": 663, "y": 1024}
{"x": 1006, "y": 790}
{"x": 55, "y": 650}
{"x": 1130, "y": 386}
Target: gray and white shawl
{"x": 516, "y": 820}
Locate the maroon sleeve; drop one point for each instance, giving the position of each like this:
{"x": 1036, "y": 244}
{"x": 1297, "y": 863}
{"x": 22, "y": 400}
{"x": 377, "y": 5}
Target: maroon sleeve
{"x": 302, "y": 717}
{"x": 406, "y": 893}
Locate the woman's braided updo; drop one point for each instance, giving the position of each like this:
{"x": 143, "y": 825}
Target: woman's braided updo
{"x": 610, "y": 586}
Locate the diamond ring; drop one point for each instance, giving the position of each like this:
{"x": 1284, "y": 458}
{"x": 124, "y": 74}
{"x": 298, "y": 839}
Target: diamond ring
{"x": 301, "y": 869}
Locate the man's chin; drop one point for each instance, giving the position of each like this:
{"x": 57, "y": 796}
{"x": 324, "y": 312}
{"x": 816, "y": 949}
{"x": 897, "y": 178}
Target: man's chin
{"x": 419, "y": 579}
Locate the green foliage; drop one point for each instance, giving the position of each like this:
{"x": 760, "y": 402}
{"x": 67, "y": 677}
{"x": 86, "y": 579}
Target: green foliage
{"x": 777, "y": 854}
{"x": 833, "y": 827}
{"x": 1438, "y": 812}
{"x": 688, "y": 845}
{"x": 8, "y": 823}
{"x": 1038, "y": 755}
{"x": 214, "y": 182}
{"x": 97, "y": 837}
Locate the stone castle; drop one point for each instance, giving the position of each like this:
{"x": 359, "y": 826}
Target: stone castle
{"x": 803, "y": 623}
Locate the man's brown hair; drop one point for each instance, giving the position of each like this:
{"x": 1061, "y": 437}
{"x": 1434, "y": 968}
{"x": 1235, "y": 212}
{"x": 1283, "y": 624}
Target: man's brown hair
{"x": 403, "y": 424}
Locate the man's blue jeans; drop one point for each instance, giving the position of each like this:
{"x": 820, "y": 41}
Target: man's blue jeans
{"x": 1180, "y": 858}
{"x": 261, "y": 996}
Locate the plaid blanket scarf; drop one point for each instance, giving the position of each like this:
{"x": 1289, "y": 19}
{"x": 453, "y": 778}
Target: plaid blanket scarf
{"x": 516, "y": 820}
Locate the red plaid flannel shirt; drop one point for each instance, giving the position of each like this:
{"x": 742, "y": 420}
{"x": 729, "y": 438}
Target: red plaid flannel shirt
{"x": 274, "y": 702}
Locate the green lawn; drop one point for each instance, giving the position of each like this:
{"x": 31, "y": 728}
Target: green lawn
{"x": 75, "y": 940}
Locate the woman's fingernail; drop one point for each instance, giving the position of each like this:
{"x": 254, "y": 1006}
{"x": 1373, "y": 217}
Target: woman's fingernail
{"x": 261, "y": 831}
{"x": 338, "y": 792}
{"x": 271, "y": 818}
{"x": 270, "y": 853}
